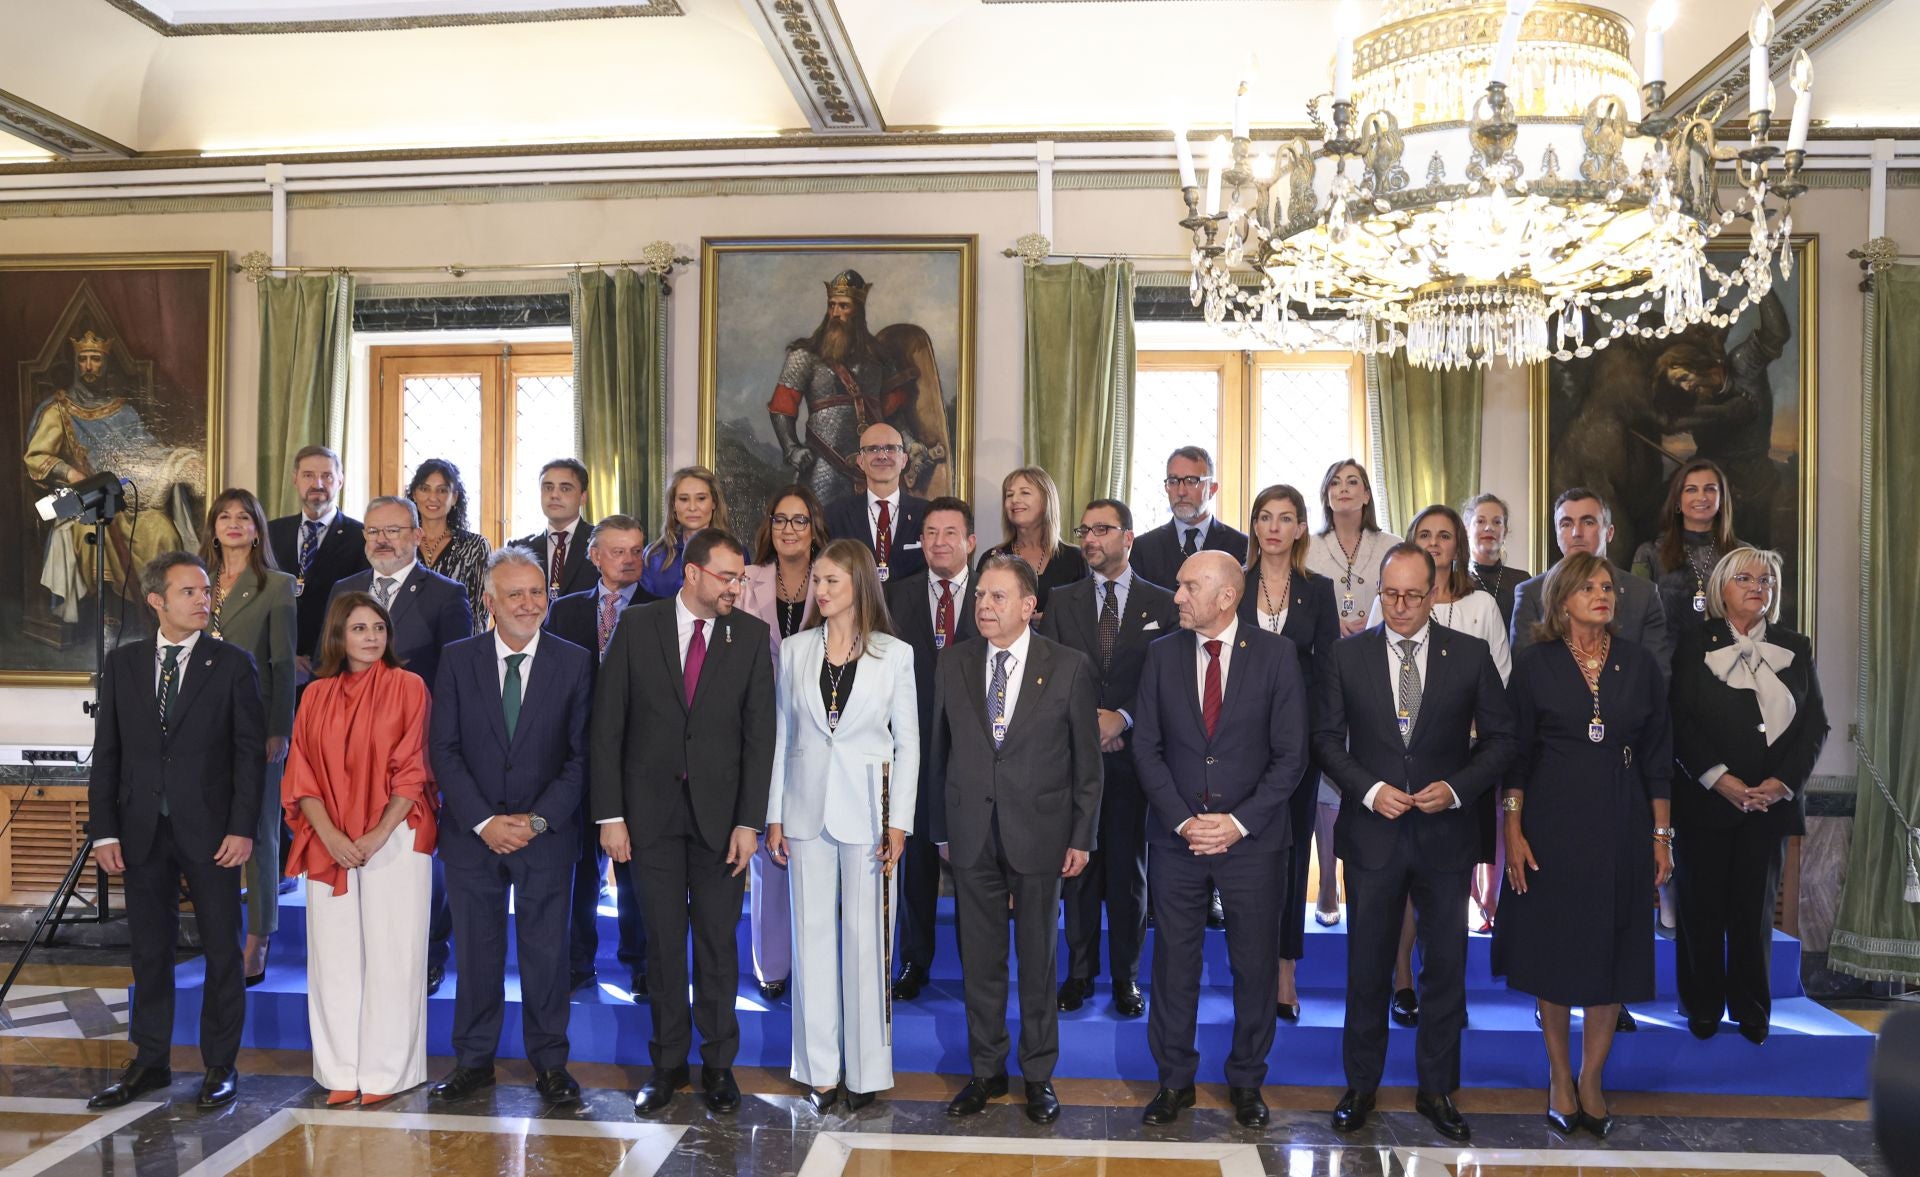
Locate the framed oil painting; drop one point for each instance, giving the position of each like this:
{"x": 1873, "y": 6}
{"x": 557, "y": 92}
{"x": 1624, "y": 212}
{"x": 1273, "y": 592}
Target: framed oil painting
{"x": 1624, "y": 420}
{"x": 114, "y": 362}
{"x": 806, "y": 342}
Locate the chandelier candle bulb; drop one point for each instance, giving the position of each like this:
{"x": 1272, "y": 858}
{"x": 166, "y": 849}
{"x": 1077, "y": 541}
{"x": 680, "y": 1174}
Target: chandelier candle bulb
{"x": 1759, "y": 66}
{"x": 1660, "y": 18}
{"x": 1189, "y": 178}
{"x": 1240, "y": 112}
{"x": 1800, "y": 80}
{"x": 1346, "y": 25}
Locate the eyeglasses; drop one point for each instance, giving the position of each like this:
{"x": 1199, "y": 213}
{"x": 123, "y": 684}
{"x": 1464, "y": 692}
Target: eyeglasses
{"x": 1397, "y": 597}
{"x": 728, "y": 581}
{"x": 1748, "y": 580}
{"x": 1101, "y": 530}
{"x": 388, "y": 533}
{"x": 880, "y": 451}
{"x": 1187, "y": 481}
{"x": 791, "y": 522}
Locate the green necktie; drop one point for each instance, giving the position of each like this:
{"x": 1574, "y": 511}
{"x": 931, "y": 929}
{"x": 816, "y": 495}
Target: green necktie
{"x": 169, "y": 685}
{"x": 510, "y": 694}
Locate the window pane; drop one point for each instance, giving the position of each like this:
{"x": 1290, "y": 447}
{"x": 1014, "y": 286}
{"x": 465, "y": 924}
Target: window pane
{"x": 1170, "y": 409}
{"x": 440, "y": 417}
{"x": 543, "y": 430}
{"x": 1306, "y": 422}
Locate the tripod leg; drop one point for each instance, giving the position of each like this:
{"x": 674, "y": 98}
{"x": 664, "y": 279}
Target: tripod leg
{"x": 58, "y": 901}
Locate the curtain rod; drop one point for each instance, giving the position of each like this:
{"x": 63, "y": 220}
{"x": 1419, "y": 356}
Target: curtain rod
{"x": 1034, "y": 259}
{"x": 658, "y": 257}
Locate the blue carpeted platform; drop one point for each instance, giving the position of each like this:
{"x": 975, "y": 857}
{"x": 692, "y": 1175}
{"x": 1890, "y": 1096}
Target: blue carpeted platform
{"x": 1812, "y": 1051}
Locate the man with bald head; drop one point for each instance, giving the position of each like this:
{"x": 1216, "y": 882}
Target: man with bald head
{"x": 884, "y": 517}
{"x": 1220, "y": 742}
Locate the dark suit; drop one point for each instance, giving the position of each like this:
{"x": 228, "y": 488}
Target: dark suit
{"x": 911, "y": 608}
{"x": 541, "y": 768}
{"x": 342, "y": 552}
{"x": 577, "y": 573}
{"x": 1157, "y": 555}
{"x": 1312, "y": 625}
{"x": 850, "y": 517}
{"x": 171, "y": 795}
{"x": 683, "y": 778}
{"x": 1248, "y": 768}
{"x": 576, "y": 617}
{"x": 1117, "y": 872}
{"x": 1636, "y": 607}
{"x": 1428, "y": 856}
{"x": 1728, "y": 869}
{"x": 1008, "y": 816}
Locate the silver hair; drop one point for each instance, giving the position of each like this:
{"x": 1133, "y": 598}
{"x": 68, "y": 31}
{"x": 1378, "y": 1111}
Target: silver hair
{"x": 395, "y": 501}
{"x": 1731, "y": 565}
{"x": 1193, "y": 453}
{"x": 510, "y": 554}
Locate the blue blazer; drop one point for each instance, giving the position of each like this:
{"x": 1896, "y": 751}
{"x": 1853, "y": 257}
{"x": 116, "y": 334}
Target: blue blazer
{"x": 430, "y": 612}
{"x": 542, "y": 770}
{"x": 1258, "y": 751}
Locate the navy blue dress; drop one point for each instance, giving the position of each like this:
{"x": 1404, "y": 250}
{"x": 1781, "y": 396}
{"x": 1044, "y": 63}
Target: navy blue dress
{"x": 1583, "y": 933}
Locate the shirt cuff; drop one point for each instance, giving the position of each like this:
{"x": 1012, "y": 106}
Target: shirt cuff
{"x": 99, "y": 842}
{"x": 1371, "y": 794}
{"x": 1183, "y": 825}
{"x": 1454, "y": 795}
{"x": 1712, "y": 776}
{"x": 1237, "y": 825}
{"x": 483, "y": 823}
{"x": 749, "y": 829}
{"x": 1789, "y": 790}
{"x": 1127, "y": 716}
{"x": 607, "y": 821}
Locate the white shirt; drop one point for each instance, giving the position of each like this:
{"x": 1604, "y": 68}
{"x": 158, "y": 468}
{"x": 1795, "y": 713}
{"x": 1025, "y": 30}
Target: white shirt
{"x": 1393, "y": 676}
{"x": 501, "y": 651}
{"x": 893, "y": 514}
{"x": 179, "y": 676}
{"x": 1015, "y": 663}
{"x": 399, "y": 579}
{"x": 683, "y": 620}
{"x": 572, "y": 530}
{"x": 1200, "y": 659}
{"x": 324, "y": 520}
{"x": 960, "y": 598}
{"x": 1476, "y": 614}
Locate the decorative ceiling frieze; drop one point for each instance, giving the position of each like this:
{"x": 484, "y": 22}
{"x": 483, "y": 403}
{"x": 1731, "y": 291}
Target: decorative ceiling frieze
{"x": 809, "y": 44}
{"x": 50, "y": 132}
{"x": 1803, "y": 26}
{"x": 165, "y": 27}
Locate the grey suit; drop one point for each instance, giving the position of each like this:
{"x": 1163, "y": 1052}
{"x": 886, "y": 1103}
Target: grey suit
{"x": 261, "y": 619}
{"x": 1636, "y": 606}
{"x": 1045, "y": 779}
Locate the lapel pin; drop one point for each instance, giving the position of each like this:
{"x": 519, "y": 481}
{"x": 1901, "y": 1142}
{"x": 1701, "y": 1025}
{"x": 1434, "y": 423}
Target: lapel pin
{"x": 1039, "y": 682}
{"x": 1443, "y": 653}
{"x": 1243, "y": 643}
{"x": 727, "y": 629}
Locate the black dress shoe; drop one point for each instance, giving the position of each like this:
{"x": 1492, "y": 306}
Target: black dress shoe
{"x": 1216, "y": 914}
{"x": 1565, "y": 1123}
{"x": 1440, "y": 1112}
{"x": 822, "y": 1101}
{"x": 460, "y": 1083}
{"x": 136, "y": 1080}
{"x": 1164, "y": 1107}
{"x": 658, "y": 1090}
{"x": 637, "y": 985}
{"x": 1287, "y": 1011}
{"x": 1043, "y": 1106}
{"x": 1350, "y": 1115}
{"x": 1405, "y": 1008}
{"x": 436, "y": 974}
{"x": 1754, "y": 1032}
{"x": 1249, "y": 1110}
{"x": 773, "y": 990}
{"x": 720, "y": 1091}
{"x": 1703, "y": 1028}
{"x": 1128, "y": 1001}
{"x": 973, "y": 1098}
{"x": 557, "y": 1088}
{"x": 860, "y": 1099}
{"x": 1624, "y": 1024}
{"x": 913, "y": 978}
{"x": 218, "y": 1088}
{"x": 577, "y": 979}
{"x": 1601, "y": 1126}
{"x": 1074, "y": 993}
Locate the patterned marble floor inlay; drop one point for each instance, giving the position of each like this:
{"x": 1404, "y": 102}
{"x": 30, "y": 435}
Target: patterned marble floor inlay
{"x": 1427, "y": 1162}
{"x": 298, "y": 1141}
{"x": 37, "y": 1134}
{"x": 883, "y": 1154}
{"x": 57, "y": 1011}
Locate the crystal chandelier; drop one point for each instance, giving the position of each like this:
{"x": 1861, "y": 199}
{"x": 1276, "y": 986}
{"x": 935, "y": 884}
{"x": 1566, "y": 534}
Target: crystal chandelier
{"x": 1546, "y": 196}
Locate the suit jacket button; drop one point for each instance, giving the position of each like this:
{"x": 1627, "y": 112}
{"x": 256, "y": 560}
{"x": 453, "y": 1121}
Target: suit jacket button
{"x": 1209, "y": 760}
{"x": 509, "y": 766}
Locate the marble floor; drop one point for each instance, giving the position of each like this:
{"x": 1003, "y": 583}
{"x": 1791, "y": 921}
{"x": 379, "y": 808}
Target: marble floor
{"x": 280, "y": 1125}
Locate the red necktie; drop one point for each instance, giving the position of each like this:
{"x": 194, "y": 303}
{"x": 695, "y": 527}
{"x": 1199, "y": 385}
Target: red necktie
{"x": 559, "y": 551}
{"x": 943, "y": 616}
{"x": 883, "y": 535}
{"x": 697, "y": 657}
{"x": 609, "y": 613}
{"x": 1210, "y": 695}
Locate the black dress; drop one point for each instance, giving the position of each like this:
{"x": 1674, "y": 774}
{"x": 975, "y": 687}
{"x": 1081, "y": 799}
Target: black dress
{"x": 1500, "y": 581}
{"x": 1679, "y": 586}
{"x": 1583, "y": 932}
{"x": 1065, "y": 566}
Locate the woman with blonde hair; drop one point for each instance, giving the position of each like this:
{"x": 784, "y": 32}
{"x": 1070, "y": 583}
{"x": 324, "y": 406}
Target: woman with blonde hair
{"x": 1030, "y": 519}
{"x": 694, "y": 502}
{"x": 845, "y": 771}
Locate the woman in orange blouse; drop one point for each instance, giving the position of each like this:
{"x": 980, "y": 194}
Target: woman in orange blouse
{"x": 357, "y": 773}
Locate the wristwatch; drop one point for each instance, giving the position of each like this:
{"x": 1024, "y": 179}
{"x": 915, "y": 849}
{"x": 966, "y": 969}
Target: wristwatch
{"x": 1510, "y": 804}
{"x": 538, "y": 823}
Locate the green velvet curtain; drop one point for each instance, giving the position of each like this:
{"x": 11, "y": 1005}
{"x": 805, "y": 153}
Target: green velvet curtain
{"x": 305, "y": 325}
{"x": 620, "y": 376}
{"x": 1430, "y": 431}
{"x": 1876, "y": 932}
{"x": 1079, "y": 379}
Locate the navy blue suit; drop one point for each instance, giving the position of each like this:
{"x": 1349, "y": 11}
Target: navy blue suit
{"x": 541, "y": 769}
{"x": 1248, "y": 768}
{"x": 850, "y": 517}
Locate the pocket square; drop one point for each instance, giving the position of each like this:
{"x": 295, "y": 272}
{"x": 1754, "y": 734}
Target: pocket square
{"x": 910, "y": 547}
{"x": 1150, "y": 625}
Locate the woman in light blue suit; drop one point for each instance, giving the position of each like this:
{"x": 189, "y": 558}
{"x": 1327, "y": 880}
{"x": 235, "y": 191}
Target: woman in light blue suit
{"x": 847, "y": 728}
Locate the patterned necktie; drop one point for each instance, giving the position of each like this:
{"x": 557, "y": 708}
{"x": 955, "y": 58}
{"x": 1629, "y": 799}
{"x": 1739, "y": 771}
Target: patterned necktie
{"x": 1109, "y": 625}
{"x": 696, "y": 657}
{"x": 557, "y": 547}
{"x": 510, "y": 693}
{"x": 1210, "y": 694}
{"x": 609, "y": 614}
{"x": 383, "y": 591}
{"x": 883, "y": 535}
{"x": 1187, "y": 548}
{"x": 943, "y": 616}
{"x": 997, "y": 697}
{"x": 169, "y": 685}
{"x": 309, "y": 544}
{"x": 1409, "y": 688}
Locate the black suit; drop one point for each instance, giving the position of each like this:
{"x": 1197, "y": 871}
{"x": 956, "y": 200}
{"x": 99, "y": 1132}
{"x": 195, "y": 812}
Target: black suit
{"x": 577, "y": 573}
{"x": 1157, "y": 554}
{"x": 1117, "y": 872}
{"x": 683, "y": 778}
{"x": 911, "y": 607}
{"x": 849, "y": 517}
{"x": 1008, "y": 816}
{"x": 342, "y": 552}
{"x": 576, "y": 617}
{"x": 1727, "y": 870}
{"x": 1429, "y": 857}
{"x": 1247, "y": 767}
{"x": 171, "y": 795}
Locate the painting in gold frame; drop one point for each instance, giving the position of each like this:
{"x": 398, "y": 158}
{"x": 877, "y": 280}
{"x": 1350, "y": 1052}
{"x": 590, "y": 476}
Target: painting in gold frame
{"x": 1619, "y": 424}
{"x": 777, "y": 406}
{"x": 114, "y": 362}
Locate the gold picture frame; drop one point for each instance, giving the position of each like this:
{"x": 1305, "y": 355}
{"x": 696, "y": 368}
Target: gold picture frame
{"x": 153, "y": 410}
{"x": 759, "y": 296}
{"x": 1791, "y": 526}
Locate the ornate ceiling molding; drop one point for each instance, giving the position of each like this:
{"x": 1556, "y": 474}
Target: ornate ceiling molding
{"x": 809, "y": 44}
{"x": 47, "y": 130}
{"x": 1803, "y": 25}
{"x": 145, "y": 16}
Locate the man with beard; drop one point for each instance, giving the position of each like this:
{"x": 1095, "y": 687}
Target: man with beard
{"x": 1191, "y": 486}
{"x": 849, "y": 379}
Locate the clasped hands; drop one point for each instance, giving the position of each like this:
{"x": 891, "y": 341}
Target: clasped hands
{"x": 1435, "y": 798}
{"x": 1210, "y": 833}
{"x": 507, "y": 832}
{"x": 1747, "y": 799}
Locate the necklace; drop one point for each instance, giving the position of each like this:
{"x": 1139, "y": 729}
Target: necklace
{"x": 833, "y": 688}
{"x": 1447, "y": 621}
{"x": 1589, "y": 662}
{"x": 1701, "y": 574}
{"x": 1348, "y": 579}
{"x": 791, "y": 608}
{"x": 432, "y": 549}
{"x": 1273, "y": 615}
{"x": 1479, "y": 578}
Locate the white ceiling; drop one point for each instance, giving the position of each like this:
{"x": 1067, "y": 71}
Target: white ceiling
{"x": 947, "y": 65}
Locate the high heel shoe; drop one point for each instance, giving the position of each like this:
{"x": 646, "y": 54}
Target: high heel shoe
{"x": 1566, "y": 1124}
{"x": 822, "y": 1101}
{"x": 341, "y": 1098}
{"x": 1600, "y": 1126}
{"x": 1287, "y": 1011}
{"x": 1326, "y": 919}
{"x": 860, "y": 1099}
{"x": 254, "y": 978}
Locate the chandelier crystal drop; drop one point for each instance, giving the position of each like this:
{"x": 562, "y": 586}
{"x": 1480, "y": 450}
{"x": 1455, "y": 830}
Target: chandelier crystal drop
{"x": 1545, "y": 195}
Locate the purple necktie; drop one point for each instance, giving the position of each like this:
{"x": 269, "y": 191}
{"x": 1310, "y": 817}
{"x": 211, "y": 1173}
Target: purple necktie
{"x": 696, "y": 657}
